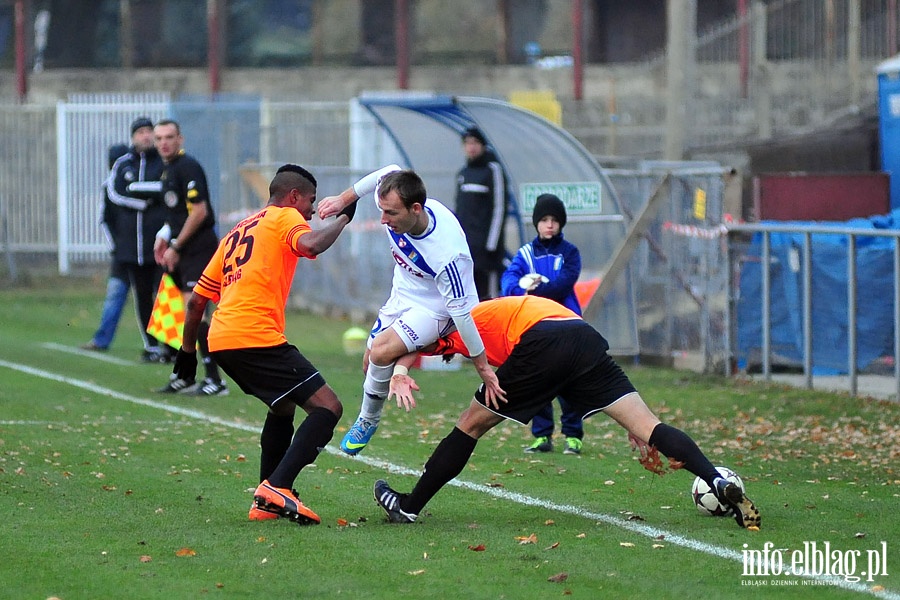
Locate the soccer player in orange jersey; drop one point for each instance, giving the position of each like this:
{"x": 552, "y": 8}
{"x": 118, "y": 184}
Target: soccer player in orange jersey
{"x": 542, "y": 350}
{"x": 249, "y": 278}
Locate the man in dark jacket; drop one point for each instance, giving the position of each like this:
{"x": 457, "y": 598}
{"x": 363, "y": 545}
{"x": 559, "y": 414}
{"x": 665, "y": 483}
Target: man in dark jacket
{"x": 134, "y": 190}
{"x": 117, "y": 282}
{"x": 481, "y": 211}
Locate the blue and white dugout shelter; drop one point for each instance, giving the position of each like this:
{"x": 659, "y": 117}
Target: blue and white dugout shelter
{"x": 423, "y": 132}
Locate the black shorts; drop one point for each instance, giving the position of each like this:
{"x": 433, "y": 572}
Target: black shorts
{"x": 190, "y": 267}
{"x": 559, "y": 358}
{"x": 271, "y": 374}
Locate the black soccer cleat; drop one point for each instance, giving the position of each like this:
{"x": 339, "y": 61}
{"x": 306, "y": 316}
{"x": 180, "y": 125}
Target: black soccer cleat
{"x": 389, "y": 500}
{"x": 745, "y": 512}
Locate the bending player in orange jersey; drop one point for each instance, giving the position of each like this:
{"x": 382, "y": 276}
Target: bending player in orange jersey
{"x": 542, "y": 350}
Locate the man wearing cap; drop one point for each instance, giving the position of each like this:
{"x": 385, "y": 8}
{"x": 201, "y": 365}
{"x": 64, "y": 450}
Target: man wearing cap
{"x": 481, "y": 210}
{"x": 133, "y": 215}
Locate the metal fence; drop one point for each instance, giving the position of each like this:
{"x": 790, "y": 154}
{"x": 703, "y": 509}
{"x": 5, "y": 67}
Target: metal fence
{"x": 812, "y": 341}
{"x": 678, "y": 275}
{"x": 85, "y": 128}
{"x": 28, "y": 177}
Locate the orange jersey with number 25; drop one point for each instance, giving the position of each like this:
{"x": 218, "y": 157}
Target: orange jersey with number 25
{"x": 249, "y": 278}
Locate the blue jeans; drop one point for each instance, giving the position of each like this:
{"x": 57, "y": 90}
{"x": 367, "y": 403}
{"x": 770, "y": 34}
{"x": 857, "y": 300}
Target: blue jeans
{"x": 571, "y": 423}
{"x": 116, "y": 295}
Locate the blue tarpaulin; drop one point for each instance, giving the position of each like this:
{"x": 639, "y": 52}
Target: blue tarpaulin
{"x": 830, "y": 349}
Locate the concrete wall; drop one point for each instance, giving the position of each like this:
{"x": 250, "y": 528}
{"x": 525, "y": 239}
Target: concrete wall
{"x": 800, "y": 94}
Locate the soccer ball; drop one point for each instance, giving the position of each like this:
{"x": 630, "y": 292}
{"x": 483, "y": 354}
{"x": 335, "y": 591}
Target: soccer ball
{"x": 704, "y": 498}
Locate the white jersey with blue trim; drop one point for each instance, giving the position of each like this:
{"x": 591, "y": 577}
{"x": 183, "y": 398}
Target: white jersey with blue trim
{"x": 433, "y": 271}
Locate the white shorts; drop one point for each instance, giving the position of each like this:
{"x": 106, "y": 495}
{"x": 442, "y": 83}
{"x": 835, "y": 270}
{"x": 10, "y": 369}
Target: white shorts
{"x": 416, "y": 327}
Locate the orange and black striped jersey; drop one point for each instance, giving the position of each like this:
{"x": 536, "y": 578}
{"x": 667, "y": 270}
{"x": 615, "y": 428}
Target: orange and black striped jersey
{"x": 249, "y": 278}
{"x": 501, "y": 323}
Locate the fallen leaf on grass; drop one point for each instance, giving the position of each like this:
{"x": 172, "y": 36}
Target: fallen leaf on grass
{"x": 558, "y": 578}
{"x": 478, "y": 548}
{"x": 342, "y": 522}
{"x": 552, "y": 546}
{"x": 527, "y": 539}
{"x": 549, "y": 522}
{"x": 417, "y": 572}
{"x": 185, "y": 552}
{"x": 145, "y": 558}
{"x": 626, "y": 544}
{"x": 581, "y": 535}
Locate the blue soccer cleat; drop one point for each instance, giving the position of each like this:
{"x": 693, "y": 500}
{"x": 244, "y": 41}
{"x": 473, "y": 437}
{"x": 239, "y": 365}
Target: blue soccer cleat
{"x": 358, "y": 436}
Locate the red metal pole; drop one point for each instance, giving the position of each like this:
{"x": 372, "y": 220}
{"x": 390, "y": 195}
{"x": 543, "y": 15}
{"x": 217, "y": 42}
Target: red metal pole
{"x": 213, "y": 55}
{"x": 577, "y": 49}
{"x": 744, "y": 48}
{"x": 401, "y": 10}
{"x": 21, "y": 79}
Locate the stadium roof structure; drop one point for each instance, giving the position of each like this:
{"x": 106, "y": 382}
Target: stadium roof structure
{"x": 423, "y": 132}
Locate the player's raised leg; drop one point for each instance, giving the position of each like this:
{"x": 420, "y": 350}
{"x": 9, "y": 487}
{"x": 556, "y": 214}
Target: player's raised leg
{"x": 632, "y": 413}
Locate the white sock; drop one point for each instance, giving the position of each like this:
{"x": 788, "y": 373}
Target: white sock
{"x": 375, "y": 390}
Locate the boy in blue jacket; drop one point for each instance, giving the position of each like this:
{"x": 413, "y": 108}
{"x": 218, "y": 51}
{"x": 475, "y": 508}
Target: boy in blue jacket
{"x": 548, "y": 266}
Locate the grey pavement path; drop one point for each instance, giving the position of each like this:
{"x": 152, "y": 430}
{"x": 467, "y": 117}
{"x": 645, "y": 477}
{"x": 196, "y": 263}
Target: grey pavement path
{"x": 876, "y": 386}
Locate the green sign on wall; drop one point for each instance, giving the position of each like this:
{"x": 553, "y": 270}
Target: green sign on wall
{"x": 580, "y": 198}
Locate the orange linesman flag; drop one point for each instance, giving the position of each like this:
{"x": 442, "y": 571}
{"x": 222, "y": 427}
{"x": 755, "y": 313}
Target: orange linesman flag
{"x": 167, "y": 319}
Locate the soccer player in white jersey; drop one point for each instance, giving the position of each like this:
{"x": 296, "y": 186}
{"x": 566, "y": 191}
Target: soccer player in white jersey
{"x": 433, "y": 288}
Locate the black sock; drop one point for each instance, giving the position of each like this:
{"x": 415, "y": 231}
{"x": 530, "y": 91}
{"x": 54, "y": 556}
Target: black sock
{"x": 446, "y": 462}
{"x": 274, "y": 442}
{"x": 676, "y": 444}
{"x": 209, "y": 365}
{"x": 311, "y": 437}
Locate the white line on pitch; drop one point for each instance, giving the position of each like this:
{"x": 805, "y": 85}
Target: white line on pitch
{"x": 635, "y": 527}
{"x": 88, "y": 354}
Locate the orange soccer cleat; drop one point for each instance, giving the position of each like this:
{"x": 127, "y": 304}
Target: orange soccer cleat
{"x": 283, "y": 502}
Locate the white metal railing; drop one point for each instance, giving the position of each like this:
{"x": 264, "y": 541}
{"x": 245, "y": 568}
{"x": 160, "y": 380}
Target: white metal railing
{"x": 84, "y": 131}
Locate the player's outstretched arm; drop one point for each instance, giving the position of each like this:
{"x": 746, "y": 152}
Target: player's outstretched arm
{"x": 319, "y": 240}
{"x": 329, "y": 206}
{"x": 332, "y": 205}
